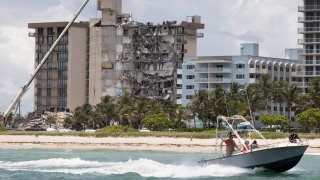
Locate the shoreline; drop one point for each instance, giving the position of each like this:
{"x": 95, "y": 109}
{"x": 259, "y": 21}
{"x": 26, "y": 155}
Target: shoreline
{"x": 127, "y": 143}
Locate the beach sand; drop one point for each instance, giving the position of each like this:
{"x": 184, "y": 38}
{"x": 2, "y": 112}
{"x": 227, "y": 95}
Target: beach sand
{"x": 128, "y": 143}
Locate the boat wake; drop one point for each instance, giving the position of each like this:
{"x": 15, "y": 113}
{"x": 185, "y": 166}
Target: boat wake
{"x": 143, "y": 167}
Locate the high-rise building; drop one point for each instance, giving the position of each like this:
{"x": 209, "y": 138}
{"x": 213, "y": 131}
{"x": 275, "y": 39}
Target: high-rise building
{"x": 144, "y": 59}
{"x": 61, "y": 82}
{"x": 310, "y": 31}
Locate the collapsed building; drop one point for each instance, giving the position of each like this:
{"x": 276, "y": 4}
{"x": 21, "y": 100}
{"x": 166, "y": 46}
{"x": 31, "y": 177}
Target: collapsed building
{"x": 144, "y": 59}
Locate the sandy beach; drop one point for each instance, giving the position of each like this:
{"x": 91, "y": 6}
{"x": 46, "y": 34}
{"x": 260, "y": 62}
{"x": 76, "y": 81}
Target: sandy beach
{"x": 127, "y": 143}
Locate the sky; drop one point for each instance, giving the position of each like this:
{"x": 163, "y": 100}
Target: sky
{"x": 271, "y": 23}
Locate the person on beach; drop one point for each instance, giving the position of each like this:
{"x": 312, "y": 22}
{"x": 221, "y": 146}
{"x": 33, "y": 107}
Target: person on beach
{"x": 230, "y": 145}
{"x": 254, "y": 144}
{"x": 293, "y": 137}
{"x": 246, "y": 147}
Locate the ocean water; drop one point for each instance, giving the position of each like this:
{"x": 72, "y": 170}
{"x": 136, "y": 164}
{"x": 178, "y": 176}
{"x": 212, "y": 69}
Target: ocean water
{"x": 132, "y": 165}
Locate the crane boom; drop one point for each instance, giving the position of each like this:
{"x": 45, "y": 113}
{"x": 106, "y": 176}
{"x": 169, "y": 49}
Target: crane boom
{"x": 29, "y": 81}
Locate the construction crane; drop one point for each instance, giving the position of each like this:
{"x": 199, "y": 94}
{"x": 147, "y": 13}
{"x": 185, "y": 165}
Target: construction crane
{"x": 25, "y": 88}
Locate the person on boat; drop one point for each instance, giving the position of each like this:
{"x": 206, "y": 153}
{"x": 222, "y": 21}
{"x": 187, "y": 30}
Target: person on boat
{"x": 230, "y": 145}
{"x": 254, "y": 144}
{"x": 246, "y": 147}
{"x": 293, "y": 137}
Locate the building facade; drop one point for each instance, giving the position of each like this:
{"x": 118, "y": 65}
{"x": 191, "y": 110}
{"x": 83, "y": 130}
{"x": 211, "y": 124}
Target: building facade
{"x": 310, "y": 31}
{"x": 144, "y": 59}
{"x": 210, "y": 72}
{"x": 61, "y": 82}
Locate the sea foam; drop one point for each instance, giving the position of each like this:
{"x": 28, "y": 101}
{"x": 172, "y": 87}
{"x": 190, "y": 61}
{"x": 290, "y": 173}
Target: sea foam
{"x": 143, "y": 167}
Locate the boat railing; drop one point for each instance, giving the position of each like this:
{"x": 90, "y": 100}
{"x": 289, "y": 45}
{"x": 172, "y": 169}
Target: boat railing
{"x": 280, "y": 144}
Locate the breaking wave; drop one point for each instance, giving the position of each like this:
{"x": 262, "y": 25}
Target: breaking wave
{"x": 143, "y": 167}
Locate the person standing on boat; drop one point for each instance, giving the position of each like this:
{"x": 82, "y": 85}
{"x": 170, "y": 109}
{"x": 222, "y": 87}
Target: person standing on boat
{"x": 293, "y": 137}
{"x": 230, "y": 146}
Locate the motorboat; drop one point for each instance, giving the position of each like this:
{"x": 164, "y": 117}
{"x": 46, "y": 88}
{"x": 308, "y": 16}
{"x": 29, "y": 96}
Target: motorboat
{"x": 277, "y": 157}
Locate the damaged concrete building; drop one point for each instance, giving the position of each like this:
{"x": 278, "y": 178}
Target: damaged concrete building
{"x": 109, "y": 56}
{"x": 144, "y": 59}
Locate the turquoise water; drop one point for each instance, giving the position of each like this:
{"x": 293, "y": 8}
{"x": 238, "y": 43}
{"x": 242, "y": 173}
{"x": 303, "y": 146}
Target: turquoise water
{"x": 131, "y": 165}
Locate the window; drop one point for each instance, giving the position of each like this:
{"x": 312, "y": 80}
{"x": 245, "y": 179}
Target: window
{"x": 48, "y": 91}
{"x": 190, "y": 76}
{"x": 59, "y": 30}
{"x": 269, "y": 68}
{"x": 281, "y": 69}
{"x": 252, "y": 76}
{"x": 50, "y": 31}
{"x": 190, "y": 86}
{"x": 49, "y": 82}
{"x": 190, "y": 66}
{"x": 219, "y": 66}
{"x": 240, "y": 66}
{"x": 179, "y": 86}
{"x": 275, "y": 109}
{"x": 49, "y": 74}
{"x": 50, "y": 39}
{"x": 189, "y": 96}
{"x": 239, "y": 76}
{"x": 40, "y": 40}
{"x": 40, "y": 31}
{"x": 39, "y": 91}
{"x": 275, "y": 68}
{"x": 179, "y": 76}
{"x": 251, "y": 65}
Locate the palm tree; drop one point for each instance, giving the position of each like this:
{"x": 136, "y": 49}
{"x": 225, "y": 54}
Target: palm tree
{"x": 107, "y": 108}
{"x": 235, "y": 100}
{"x": 50, "y": 119}
{"x": 126, "y": 115}
{"x": 314, "y": 93}
{"x": 169, "y": 107}
{"x": 140, "y": 111}
{"x": 277, "y": 93}
{"x": 254, "y": 99}
{"x": 181, "y": 114}
{"x": 200, "y": 106}
{"x": 265, "y": 88}
{"x": 290, "y": 95}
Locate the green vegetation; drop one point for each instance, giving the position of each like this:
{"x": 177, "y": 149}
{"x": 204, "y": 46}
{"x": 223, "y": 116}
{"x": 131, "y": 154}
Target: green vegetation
{"x": 157, "y": 122}
{"x": 159, "y": 114}
{"x": 274, "y": 119}
{"x": 309, "y": 119}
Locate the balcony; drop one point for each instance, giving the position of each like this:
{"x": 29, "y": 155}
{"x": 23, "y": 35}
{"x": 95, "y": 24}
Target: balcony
{"x": 220, "y": 80}
{"x": 201, "y": 80}
{"x": 308, "y": 30}
{"x": 220, "y": 70}
{"x": 309, "y": 8}
{"x": 301, "y": 84}
{"x": 201, "y": 70}
{"x": 311, "y": 51}
{"x": 309, "y": 41}
{"x": 308, "y": 19}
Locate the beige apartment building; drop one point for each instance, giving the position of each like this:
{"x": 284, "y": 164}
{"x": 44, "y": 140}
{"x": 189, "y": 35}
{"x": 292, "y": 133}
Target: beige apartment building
{"x": 61, "y": 82}
{"x": 144, "y": 59}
